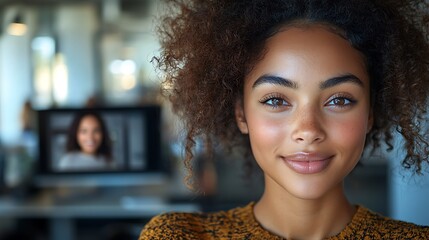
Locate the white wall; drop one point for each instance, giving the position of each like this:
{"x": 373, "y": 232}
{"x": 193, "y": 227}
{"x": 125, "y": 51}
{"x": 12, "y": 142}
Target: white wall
{"x": 409, "y": 193}
{"x": 15, "y": 82}
{"x": 76, "y": 26}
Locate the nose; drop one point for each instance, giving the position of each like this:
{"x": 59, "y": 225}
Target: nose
{"x": 307, "y": 127}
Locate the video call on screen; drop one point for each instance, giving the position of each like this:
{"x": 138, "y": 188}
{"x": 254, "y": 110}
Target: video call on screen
{"x": 126, "y": 131}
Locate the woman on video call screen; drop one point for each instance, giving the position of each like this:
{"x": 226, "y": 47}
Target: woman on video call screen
{"x": 88, "y": 145}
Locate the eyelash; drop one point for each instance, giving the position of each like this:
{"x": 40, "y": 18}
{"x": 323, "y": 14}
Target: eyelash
{"x": 274, "y": 97}
{"x": 349, "y": 101}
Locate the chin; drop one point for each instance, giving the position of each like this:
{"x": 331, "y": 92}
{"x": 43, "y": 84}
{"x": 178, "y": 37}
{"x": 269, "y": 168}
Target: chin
{"x": 310, "y": 191}
{"x": 308, "y": 195}
{"x": 89, "y": 152}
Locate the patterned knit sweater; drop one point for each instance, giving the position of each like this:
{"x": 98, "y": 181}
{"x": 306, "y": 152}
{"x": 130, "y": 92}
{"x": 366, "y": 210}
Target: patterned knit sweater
{"x": 240, "y": 223}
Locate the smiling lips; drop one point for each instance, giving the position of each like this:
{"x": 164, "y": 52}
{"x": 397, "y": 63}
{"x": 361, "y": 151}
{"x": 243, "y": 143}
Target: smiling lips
{"x": 307, "y": 163}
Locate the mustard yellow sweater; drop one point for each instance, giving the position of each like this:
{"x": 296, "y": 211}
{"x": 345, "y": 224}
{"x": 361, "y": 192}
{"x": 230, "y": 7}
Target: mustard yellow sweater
{"x": 239, "y": 223}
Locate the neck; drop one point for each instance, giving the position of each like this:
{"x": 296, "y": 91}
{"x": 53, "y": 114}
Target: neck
{"x": 296, "y": 218}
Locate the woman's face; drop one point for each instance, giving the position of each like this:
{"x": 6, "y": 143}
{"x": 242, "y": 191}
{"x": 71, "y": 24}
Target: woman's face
{"x": 89, "y": 135}
{"x": 306, "y": 108}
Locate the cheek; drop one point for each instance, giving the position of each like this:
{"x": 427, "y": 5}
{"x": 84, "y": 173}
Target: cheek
{"x": 80, "y": 137}
{"x": 265, "y": 133}
{"x": 349, "y": 133}
{"x": 98, "y": 137}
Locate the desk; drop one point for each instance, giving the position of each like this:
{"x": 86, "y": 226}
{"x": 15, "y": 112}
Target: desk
{"x": 61, "y": 214}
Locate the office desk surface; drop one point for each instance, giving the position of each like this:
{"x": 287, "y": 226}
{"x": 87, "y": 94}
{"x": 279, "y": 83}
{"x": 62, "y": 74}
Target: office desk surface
{"x": 94, "y": 207}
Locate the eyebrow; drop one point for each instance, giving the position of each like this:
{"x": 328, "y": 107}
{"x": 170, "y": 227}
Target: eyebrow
{"x": 331, "y": 82}
{"x": 350, "y": 78}
{"x": 270, "y": 79}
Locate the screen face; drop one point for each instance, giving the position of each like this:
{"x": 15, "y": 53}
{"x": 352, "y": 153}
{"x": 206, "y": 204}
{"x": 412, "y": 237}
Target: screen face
{"x": 99, "y": 140}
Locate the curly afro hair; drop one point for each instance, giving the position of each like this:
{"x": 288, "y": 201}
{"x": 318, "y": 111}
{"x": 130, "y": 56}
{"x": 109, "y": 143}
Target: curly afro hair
{"x": 210, "y": 45}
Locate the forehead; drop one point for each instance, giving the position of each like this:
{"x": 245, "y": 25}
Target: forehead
{"x": 88, "y": 120}
{"x": 316, "y": 48}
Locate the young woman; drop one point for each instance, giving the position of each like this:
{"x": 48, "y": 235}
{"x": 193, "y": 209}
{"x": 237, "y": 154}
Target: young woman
{"x": 88, "y": 144}
{"x": 305, "y": 85}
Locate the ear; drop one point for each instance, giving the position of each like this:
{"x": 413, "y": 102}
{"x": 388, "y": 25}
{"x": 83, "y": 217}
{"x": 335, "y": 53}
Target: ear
{"x": 370, "y": 120}
{"x": 240, "y": 118}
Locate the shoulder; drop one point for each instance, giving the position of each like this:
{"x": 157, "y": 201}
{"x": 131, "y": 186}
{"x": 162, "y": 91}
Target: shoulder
{"x": 173, "y": 226}
{"x": 66, "y": 160}
{"x": 78, "y": 160}
{"x": 71, "y": 155}
{"x": 369, "y": 224}
{"x": 196, "y": 225}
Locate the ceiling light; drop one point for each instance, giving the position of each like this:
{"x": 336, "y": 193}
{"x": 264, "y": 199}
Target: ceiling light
{"x": 17, "y": 27}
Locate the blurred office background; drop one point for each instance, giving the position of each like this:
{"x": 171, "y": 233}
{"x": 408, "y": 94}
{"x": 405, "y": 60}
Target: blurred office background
{"x": 79, "y": 54}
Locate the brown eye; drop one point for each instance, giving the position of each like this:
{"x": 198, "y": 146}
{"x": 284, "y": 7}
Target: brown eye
{"x": 276, "y": 102}
{"x": 340, "y": 102}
